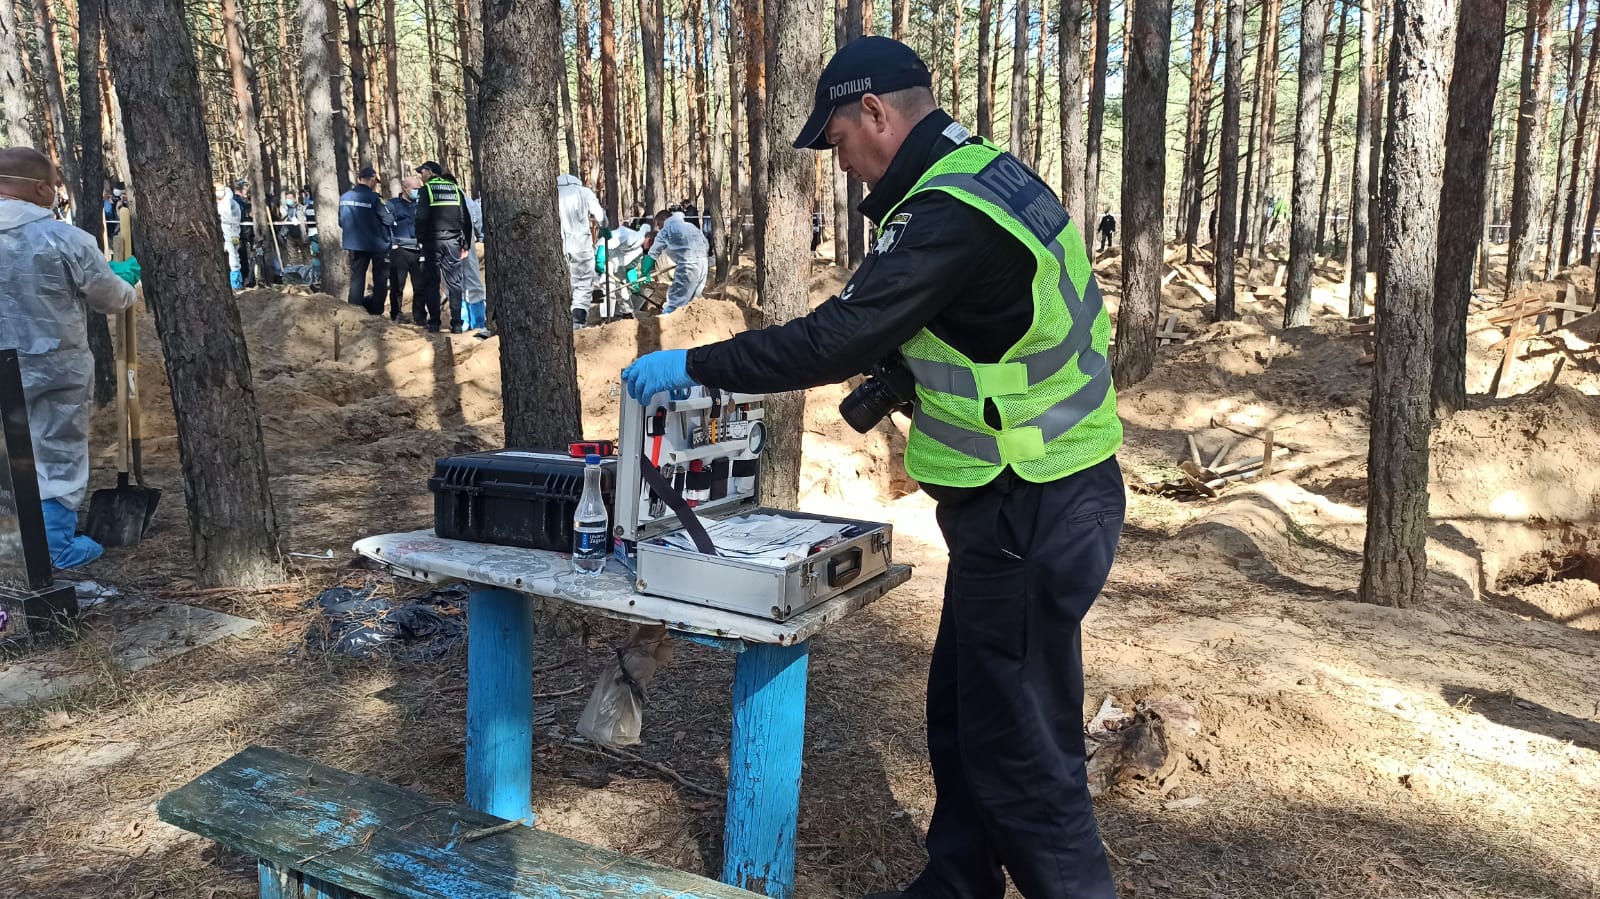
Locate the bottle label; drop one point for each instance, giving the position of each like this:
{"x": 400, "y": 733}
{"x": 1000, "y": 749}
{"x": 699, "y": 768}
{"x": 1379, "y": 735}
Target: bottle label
{"x": 589, "y": 544}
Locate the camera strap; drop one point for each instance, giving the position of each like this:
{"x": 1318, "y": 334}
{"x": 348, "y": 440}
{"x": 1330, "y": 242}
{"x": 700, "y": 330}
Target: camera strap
{"x": 679, "y": 506}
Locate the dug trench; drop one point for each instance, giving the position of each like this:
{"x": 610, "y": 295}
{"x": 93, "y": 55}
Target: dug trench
{"x": 1331, "y": 747}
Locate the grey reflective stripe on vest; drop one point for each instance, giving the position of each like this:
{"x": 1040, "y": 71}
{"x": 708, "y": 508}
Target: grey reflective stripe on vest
{"x": 958, "y": 380}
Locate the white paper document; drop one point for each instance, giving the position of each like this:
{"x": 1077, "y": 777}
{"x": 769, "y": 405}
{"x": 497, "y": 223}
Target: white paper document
{"x": 762, "y": 538}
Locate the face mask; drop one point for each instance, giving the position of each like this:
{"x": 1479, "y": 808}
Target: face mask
{"x": 415, "y": 193}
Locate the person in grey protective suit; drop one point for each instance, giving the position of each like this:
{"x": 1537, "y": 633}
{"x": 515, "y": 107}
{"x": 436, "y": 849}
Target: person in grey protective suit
{"x": 687, "y": 246}
{"x": 49, "y": 272}
{"x": 581, "y": 214}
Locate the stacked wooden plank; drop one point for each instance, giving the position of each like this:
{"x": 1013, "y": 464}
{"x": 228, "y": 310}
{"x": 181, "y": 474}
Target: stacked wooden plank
{"x": 1203, "y": 480}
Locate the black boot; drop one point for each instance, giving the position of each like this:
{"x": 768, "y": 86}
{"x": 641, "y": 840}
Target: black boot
{"x": 580, "y": 317}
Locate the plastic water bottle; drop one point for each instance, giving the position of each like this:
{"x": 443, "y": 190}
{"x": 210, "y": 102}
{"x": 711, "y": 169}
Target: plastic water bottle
{"x": 591, "y": 525}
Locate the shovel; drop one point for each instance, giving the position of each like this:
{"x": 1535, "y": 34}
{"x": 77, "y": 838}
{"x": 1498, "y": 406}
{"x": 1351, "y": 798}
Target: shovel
{"x": 121, "y": 515}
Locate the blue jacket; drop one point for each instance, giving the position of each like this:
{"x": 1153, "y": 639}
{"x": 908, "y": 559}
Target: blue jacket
{"x": 404, "y": 211}
{"x": 365, "y": 221}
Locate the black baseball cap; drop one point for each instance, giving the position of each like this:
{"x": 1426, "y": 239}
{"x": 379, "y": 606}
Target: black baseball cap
{"x": 430, "y": 168}
{"x": 867, "y": 65}
{"x": 366, "y": 172}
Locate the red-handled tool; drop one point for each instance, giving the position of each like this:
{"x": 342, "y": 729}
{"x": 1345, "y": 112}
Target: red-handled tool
{"x": 656, "y": 428}
{"x": 581, "y": 448}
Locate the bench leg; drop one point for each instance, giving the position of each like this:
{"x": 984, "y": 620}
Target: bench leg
{"x": 769, "y": 722}
{"x": 500, "y": 703}
{"x": 283, "y": 883}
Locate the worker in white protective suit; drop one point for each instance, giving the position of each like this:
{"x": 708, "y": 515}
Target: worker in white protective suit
{"x": 474, "y": 298}
{"x": 686, "y": 245}
{"x": 581, "y": 217}
{"x": 49, "y": 272}
{"x": 232, "y": 217}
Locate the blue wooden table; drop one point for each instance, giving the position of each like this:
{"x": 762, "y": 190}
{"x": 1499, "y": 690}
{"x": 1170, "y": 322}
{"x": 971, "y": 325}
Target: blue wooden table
{"x": 769, "y": 683}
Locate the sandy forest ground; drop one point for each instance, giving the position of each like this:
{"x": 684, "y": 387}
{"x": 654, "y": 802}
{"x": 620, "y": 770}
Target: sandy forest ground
{"x": 1345, "y": 750}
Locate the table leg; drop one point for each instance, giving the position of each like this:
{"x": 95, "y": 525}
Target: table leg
{"x": 283, "y": 883}
{"x": 769, "y": 722}
{"x": 500, "y": 703}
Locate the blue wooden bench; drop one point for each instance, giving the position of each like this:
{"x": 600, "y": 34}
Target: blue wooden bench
{"x": 321, "y": 833}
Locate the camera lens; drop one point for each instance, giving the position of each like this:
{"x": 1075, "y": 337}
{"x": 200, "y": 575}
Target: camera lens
{"x": 866, "y": 405}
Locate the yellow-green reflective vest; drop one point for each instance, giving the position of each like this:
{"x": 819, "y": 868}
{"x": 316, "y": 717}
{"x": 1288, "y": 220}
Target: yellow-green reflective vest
{"x": 1058, "y": 410}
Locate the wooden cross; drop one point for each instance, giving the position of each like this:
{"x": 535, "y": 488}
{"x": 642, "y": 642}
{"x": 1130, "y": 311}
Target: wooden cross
{"x": 1169, "y": 332}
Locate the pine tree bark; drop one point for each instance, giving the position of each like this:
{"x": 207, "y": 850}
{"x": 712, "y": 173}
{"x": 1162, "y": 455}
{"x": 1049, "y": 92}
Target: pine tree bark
{"x": 1480, "y": 34}
{"x": 609, "y": 152}
{"x": 1308, "y": 114}
{"x": 1036, "y": 138}
{"x": 1199, "y": 141}
{"x": 1194, "y": 109}
{"x": 441, "y": 142}
{"x": 655, "y": 175}
{"x": 985, "y": 67}
{"x": 1584, "y": 139}
{"x": 393, "y": 153}
{"x": 590, "y": 170}
{"x": 243, "y": 71}
{"x": 233, "y": 528}
{"x": 1144, "y": 177}
{"x": 1594, "y": 209}
{"x": 1324, "y": 210}
{"x": 1073, "y": 151}
{"x": 93, "y": 169}
{"x": 732, "y": 230}
{"x": 1272, "y": 28}
{"x": 783, "y": 263}
{"x": 469, "y": 57}
{"x": 857, "y": 16}
{"x": 841, "y": 184}
{"x": 13, "y": 86}
{"x": 522, "y": 62}
{"x": 955, "y": 64}
{"x": 1569, "y": 109}
{"x": 358, "y": 83}
{"x": 1097, "y": 108}
{"x": 715, "y": 205}
{"x": 1019, "y": 83}
{"x": 755, "y": 93}
{"x": 1378, "y": 109}
{"x": 1395, "y": 565}
{"x": 1247, "y": 185}
{"x": 1360, "y": 176}
{"x": 320, "y": 88}
{"x": 1227, "y": 164}
{"x": 1526, "y": 180}
{"x": 54, "y": 84}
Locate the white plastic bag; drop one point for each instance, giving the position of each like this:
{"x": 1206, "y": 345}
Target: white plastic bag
{"x": 615, "y": 713}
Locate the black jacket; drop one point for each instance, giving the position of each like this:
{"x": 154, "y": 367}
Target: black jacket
{"x": 947, "y": 267}
{"x": 448, "y": 221}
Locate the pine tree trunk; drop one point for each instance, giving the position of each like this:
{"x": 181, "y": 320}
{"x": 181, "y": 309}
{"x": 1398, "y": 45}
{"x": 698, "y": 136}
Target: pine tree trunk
{"x": 755, "y": 92}
{"x": 1395, "y": 565}
{"x": 1194, "y": 109}
{"x": 1377, "y": 110}
{"x": 955, "y": 64}
{"x": 1036, "y": 150}
{"x": 13, "y": 86}
{"x": 1073, "y": 151}
{"x": 522, "y": 59}
{"x": 55, "y": 92}
{"x": 1360, "y": 176}
{"x": 841, "y": 184}
{"x": 469, "y": 55}
{"x": 609, "y": 152}
{"x": 1583, "y": 140}
{"x": 1269, "y": 126}
{"x": 732, "y": 229}
{"x": 233, "y": 529}
{"x": 1097, "y": 108}
{"x": 1324, "y": 210}
{"x": 243, "y": 71}
{"x": 1480, "y": 34}
{"x": 1308, "y": 113}
{"x": 569, "y": 127}
{"x": 343, "y": 172}
{"x": 88, "y": 215}
{"x": 716, "y": 207}
{"x": 655, "y": 175}
{"x": 358, "y": 83}
{"x": 857, "y": 18}
{"x": 783, "y": 263}
{"x": 1019, "y": 82}
{"x": 441, "y": 143}
{"x": 393, "y": 153}
{"x": 1247, "y": 185}
{"x": 1526, "y": 181}
{"x": 1594, "y": 209}
{"x": 588, "y": 167}
{"x": 1227, "y": 164}
{"x": 985, "y": 68}
{"x": 1144, "y": 177}
{"x": 1199, "y": 144}
{"x": 320, "y": 87}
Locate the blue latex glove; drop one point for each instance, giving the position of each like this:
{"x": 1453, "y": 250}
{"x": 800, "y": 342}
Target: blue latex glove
{"x": 657, "y": 372}
{"x": 127, "y": 270}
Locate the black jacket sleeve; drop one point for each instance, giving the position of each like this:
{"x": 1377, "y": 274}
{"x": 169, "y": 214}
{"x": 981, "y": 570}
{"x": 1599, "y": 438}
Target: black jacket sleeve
{"x": 424, "y": 215}
{"x": 920, "y": 266}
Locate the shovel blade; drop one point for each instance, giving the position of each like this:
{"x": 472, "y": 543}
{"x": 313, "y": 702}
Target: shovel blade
{"x": 119, "y": 516}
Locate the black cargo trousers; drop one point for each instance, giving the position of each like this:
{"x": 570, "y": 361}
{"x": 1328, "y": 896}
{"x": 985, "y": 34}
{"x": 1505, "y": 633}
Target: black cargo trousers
{"x": 1005, "y": 689}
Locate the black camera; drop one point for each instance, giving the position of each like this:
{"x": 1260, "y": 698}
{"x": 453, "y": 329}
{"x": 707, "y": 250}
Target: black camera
{"x": 889, "y": 386}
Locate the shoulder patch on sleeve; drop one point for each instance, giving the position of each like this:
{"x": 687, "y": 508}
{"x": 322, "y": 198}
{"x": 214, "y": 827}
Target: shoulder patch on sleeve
{"x": 892, "y": 232}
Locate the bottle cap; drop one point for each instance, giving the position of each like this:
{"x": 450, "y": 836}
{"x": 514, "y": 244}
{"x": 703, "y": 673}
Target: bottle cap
{"x": 591, "y": 459}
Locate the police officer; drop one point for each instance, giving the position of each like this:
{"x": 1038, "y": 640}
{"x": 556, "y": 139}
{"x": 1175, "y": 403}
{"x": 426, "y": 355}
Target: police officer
{"x": 247, "y": 232}
{"x": 405, "y": 258}
{"x": 1108, "y": 228}
{"x": 444, "y": 227}
{"x": 1014, "y": 432}
{"x": 367, "y": 234}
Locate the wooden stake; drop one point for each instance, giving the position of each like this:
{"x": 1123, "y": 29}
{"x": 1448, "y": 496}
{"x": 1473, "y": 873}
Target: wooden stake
{"x": 1266, "y": 453}
{"x": 336, "y": 341}
{"x": 1194, "y": 449}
